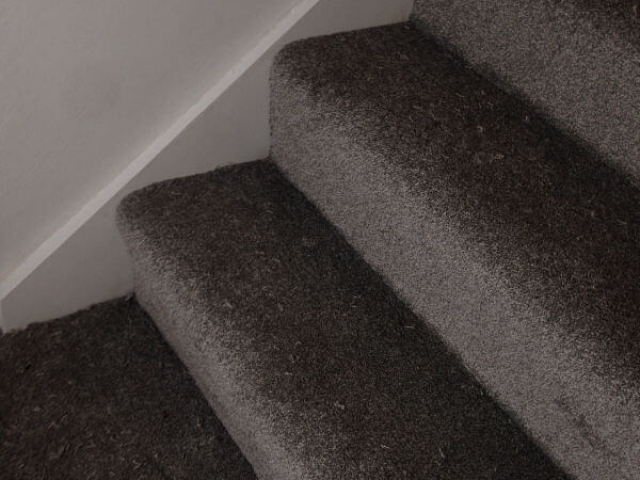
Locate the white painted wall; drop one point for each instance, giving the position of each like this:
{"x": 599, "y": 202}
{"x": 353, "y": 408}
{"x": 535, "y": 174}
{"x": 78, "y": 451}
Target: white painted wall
{"x": 86, "y": 85}
{"x": 99, "y": 94}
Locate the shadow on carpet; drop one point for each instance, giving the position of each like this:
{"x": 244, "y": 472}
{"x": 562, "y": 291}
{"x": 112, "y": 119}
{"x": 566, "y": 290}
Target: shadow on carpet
{"x": 98, "y": 395}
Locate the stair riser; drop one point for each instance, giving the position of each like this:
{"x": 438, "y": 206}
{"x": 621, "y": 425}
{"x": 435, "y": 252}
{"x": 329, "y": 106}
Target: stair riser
{"x": 584, "y": 77}
{"x": 332, "y": 153}
{"x": 206, "y": 355}
{"x": 471, "y": 309}
{"x": 316, "y": 368}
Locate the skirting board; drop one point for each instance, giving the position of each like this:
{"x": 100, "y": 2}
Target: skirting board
{"x": 85, "y": 262}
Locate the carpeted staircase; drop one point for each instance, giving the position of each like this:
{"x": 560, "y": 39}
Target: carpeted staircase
{"x": 99, "y": 395}
{"x": 429, "y": 277}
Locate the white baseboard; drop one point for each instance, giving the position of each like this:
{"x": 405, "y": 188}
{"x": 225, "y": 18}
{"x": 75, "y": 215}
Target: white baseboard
{"x": 85, "y": 262}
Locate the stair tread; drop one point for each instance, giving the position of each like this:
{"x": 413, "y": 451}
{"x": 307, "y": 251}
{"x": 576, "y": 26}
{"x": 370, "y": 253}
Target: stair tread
{"x": 578, "y": 61}
{"x": 471, "y": 205}
{"x": 545, "y": 211}
{"x": 99, "y": 395}
{"x": 292, "y": 330}
{"x": 619, "y": 16}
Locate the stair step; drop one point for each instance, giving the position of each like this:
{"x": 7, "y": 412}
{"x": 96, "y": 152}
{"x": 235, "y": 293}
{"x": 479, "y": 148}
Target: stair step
{"x": 576, "y": 60}
{"x": 316, "y": 368}
{"x": 99, "y": 395}
{"x": 518, "y": 246}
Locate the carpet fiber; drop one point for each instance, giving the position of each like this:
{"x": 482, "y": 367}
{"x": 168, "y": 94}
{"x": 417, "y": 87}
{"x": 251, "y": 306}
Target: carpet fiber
{"x": 316, "y": 368}
{"x": 517, "y": 244}
{"x": 99, "y": 395}
{"x": 578, "y": 61}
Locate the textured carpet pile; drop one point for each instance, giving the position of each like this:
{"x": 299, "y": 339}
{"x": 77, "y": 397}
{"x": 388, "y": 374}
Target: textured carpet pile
{"x": 517, "y": 244}
{"x": 578, "y": 61}
{"x": 433, "y": 276}
{"x": 99, "y": 395}
{"x": 310, "y": 360}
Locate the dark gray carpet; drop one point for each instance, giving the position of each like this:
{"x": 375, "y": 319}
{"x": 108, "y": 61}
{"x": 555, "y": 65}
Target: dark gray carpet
{"x": 619, "y": 16}
{"x": 578, "y": 61}
{"x": 313, "y": 364}
{"x": 99, "y": 395}
{"x": 516, "y": 244}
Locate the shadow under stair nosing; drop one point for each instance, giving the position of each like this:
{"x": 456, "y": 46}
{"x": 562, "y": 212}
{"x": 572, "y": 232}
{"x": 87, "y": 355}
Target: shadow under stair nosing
{"x": 517, "y": 245}
{"x": 315, "y": 367}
